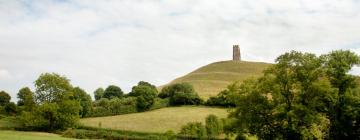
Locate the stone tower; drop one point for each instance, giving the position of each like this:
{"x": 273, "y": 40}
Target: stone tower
{"x": 236, "y": 53}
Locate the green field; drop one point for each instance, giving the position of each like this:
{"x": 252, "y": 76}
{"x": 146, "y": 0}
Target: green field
{"x": 209, "y": 80}
{"x": 161, "y": 120}
{"x": 19, "y": 135}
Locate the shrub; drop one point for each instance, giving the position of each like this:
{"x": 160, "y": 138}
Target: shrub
{"x": 181, "y": 94}
{"x": 116, "y": 106}
{"x": 11, "y": 108}
{"x": 185, "y": 99}
{"x": 225, "y": 98}
{"x": 213, "y": 126}
{"x": 160, "y": 103}
{"x": 194, "y": 130}
{"x": 170, "y": 90}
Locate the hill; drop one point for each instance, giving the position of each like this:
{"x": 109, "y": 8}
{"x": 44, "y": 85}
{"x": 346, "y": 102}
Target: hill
{"x": 160, "y": 120}
{"x": 209, "y": 80}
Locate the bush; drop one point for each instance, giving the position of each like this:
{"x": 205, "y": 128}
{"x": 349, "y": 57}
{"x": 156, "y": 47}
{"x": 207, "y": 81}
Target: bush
{"x": 181, "y": 94}
{"x": 116, "y": 106}
{"x": 225, "y": 98}
{"x": 185, "y": 99}
{"x": 160, "y": 103}
{"x": 169, "y": 91}
{"x": 213, "y": 126}
{"x": 194, "y": 130}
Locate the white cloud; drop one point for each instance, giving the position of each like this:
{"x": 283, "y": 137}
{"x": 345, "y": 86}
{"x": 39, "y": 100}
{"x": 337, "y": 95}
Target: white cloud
{"x": 99, "y": 43}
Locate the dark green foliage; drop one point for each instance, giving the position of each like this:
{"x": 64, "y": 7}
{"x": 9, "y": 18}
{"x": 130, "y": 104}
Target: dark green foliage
{"x": 113, "y": 91}
{"x": 4, "y": 98}
{"x": 145, "y": 93}
{"x": 99, "y": 93}
{"x": 10, "y": 108}
{"x": 301, "y": 97}
{"x": 58, "y": 107}
{"x": 213, "y": 126}
{"x": 51, "y": 116}
{"x": 85, "y": 101}
{"x": 337, "y": 64}
{"x": 116, "y": 106}
{"x": 181, "y": 94}
{"x": 225, "y": 98}
{"x": 180, "y": 98}
{"x": 194, "y": 130}
{"x": 170, "y": 90}
{"x": 26, "y": 99}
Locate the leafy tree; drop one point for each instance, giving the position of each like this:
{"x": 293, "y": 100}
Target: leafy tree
{"x": 57, "y": 109}
{"x": 181, "y": 94}
{"x": 4, "y": 98}
{"x": 145, "y": 93}
{"x": 143, "y": 88}
{"x": 113, "y": 91}
{"x": 337, "y": 64}
{"x": 99, "y": 93}
{"x": 51, "y": 87}
{"x": 85, "y": 101}
{"x": 26, "y": 98}
{"x": 11, "y": 108}
{"x": 170, "y": 90}
{"x": 285, "y": 103}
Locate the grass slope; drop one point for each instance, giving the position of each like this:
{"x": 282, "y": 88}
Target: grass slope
{"x": 19, "y": 135}
{"x": 209, "y": 80}
{"x": 160, "y": 120}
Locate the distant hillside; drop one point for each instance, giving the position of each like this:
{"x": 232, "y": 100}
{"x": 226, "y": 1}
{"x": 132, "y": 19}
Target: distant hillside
{"x": 209, "y": 80}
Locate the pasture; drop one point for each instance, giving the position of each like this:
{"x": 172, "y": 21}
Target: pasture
{"x": 160, "y": 120}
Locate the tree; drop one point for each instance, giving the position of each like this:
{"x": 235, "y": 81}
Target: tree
{"x": 337, "y": 64}
{"x": 98, "y": 93}
{"x": 287, "y": 102}
{"x": 181, "y": 94}
{"x": 145, "y": 93}
{"x": 85, "y": 101}
{"x": 26, "y": 98}
{"x": 113, "y": 91}
{"x": 143, "y": 88}
{"x": 11, "y": 108}
{"x": 170, "y": 90}
{"x": 51, "y": 87}
{"x": 58, "y": 108}
{"x": 4, "y": 98}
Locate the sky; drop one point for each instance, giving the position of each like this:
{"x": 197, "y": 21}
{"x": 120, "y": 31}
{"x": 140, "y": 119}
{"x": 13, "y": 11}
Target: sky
{"x": 120, "y": 42}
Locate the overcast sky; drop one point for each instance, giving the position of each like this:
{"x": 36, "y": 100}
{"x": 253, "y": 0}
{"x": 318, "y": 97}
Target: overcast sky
{"x": 101, "y": 42}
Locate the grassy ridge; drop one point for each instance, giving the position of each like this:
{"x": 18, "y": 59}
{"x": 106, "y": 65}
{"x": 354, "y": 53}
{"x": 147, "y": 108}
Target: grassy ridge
{"x": 209, "y": 80}
{"x": 157, "y": 121}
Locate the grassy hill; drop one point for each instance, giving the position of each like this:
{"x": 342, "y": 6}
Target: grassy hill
{"x": 209, "y": 80}
{"x": 160, "y": 120}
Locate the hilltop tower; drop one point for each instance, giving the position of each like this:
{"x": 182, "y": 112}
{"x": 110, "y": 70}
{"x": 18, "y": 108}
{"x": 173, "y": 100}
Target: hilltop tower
{"x": 236, "y": 53}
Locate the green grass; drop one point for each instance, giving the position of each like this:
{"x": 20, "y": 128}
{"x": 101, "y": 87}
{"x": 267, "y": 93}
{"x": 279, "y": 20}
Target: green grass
{"x": 157, "y": 121}
{"x": 19, "y": 135}
{"x": 209, "y": 80}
